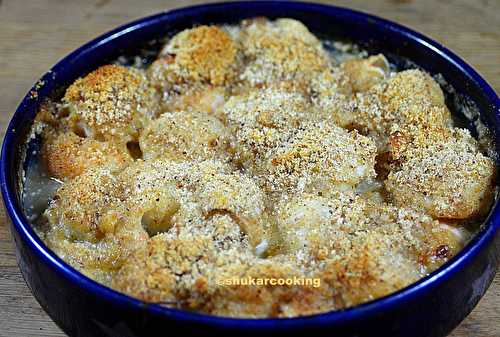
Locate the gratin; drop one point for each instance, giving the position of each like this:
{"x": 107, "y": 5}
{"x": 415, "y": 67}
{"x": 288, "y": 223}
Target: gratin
{"x": 249, "y": 151}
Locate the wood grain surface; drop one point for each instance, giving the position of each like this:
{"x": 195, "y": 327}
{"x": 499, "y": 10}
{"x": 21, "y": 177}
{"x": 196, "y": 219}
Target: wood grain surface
{"x": 36, "y": 34}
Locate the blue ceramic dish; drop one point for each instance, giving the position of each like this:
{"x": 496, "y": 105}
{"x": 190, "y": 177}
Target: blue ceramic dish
{"x": 431, "y": 307}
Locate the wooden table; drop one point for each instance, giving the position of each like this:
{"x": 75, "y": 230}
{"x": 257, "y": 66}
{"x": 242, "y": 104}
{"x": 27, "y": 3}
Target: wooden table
{"x": 35, "y": 34}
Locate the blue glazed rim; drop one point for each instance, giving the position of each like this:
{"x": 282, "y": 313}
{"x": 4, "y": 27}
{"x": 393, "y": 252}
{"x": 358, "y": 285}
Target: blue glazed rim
{"x": 27, "y": 234}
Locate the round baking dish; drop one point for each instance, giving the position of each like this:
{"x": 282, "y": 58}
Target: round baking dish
{"x": 432, "y": 306}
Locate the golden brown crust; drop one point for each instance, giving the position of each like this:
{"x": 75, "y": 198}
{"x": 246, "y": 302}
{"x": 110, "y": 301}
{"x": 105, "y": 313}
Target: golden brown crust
{"x": 185, "y": 135}
{"x": 185, "y": 272}
{"x": 259, "y": 119}
{"x": 204, "y": 53}
{"x": 408, "y": 97}
{"x": 110, "y": 102}
{"x": 243, "y": 152}
{"x": 318, "y": 156}
{"x": 67, "y": 155}
{"x": 441, "y": 171}
{"x": 88, "y": 226}
{"x": 282, "y": 50}
{"x": 194, "y": 69}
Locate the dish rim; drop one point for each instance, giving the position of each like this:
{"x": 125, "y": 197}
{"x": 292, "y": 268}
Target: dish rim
{"x": 20, "y": 223}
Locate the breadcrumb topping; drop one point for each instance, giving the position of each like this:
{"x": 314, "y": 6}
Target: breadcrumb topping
{"x": 67, "y": 155}
{"x": 248, "y": 151}
{"x": 322, "y": 155}
{"x": 204, "y": 53}
{"x": 440, "y": 170}
{"x": 366, "y": 73}
{"x": 108, "y": 103}
{"x": 259, "y": 120}
{"x": 185, "y": 135}
{"x": 407, "y": 97}
{"x": 282, "y": 50}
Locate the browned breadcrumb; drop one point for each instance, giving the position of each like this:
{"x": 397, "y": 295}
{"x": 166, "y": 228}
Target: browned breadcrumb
{"x": 245, "y": 151}
{"x": 193, "y": 69}
{"x": 109, "y": 103}
{"x": 260, "y": 118}
{"x": 185, "y": 135}
{"x": 408, "y": 97}
{"x": 201, "y": 190}
{"x": 182, "y": 270}
{"x": 441, "y": 171}
{"x": 67, "y": 155}
{"x": 204, "y": 53}
{"x": 331, "y": 94}
{"x": 80, "y": 203}
{"x": 319, "y": 155}
{"x": 90, "y": 228}
{"x": 281, "y": 50}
